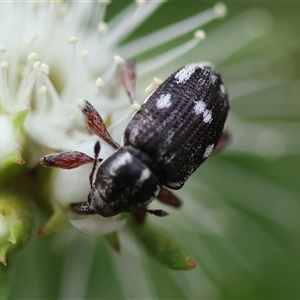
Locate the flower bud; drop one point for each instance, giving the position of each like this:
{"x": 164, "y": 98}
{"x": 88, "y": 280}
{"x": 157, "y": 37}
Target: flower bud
{"x": 163, "y": 247}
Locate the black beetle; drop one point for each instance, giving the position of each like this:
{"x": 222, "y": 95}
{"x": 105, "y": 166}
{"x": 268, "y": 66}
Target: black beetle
{"x": 176, "y": 128}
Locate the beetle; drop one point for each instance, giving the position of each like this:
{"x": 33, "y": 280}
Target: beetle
{"x": 175, "y": 130}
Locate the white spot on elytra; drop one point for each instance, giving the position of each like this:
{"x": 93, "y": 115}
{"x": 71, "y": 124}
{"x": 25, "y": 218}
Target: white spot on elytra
{"x": 208, "y": 151}
{"x": 119, "y": 161}
{"x": 145, "y": 174}
{"x": 222, "y": 89}
{"x": 207, "y": 116}
{"x": 133, "y": 134}
{"x": 183, "y": 75}
{"x": 163, "y": 101}
{"x": 199, "y": 107}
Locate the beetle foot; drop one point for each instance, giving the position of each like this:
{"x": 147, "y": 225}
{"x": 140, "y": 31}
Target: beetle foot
{"x": 157, "y": 212}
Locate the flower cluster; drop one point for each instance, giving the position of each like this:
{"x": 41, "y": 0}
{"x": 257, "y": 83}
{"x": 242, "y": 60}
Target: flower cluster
{"x": 51, "y": 63}
{"x": 53, "y": 55}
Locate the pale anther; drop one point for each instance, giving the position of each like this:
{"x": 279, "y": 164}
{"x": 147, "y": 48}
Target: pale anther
{"x": 72, "y": 40}
{"x": 105, "y": 1}
{"x": 33, "y": 56}
{"x": 157, "y": 81}
{"x": 220, "y": 10}
{"x": 135, "y": 106}
{"x": 45, "y": 68}
{"x": 102, "y": 27}
{"x": 43, "y": 90}
{"x": 200, "y": 35}
{"x": 82, "y": 104}
{"x": 85, "y": 54}
{"x": 99, "y": 83}
{"x": 153, "y": 85}
{"x": 150, "y": 88}
{"x": 2, "y": 49}
{"x": 5, "y": 65}
{"x": 119, "y": 60}
{"x": 36, "y": 66}
{"x": 140, "y": 2}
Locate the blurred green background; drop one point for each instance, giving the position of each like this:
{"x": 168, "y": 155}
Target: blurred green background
{"x": 254, "y": 251}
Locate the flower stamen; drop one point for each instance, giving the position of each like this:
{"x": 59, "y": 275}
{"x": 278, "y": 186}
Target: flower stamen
{"x": 2, "y": 49}
{"x": 99, "y": 83}
{"x": 153, "y": 85}
{"x": 167, "y": 57}
{"x": 4, "y": 96}
{"x": 113, "y": 69}
{"x": 102, "y": 27}
{"x": 31, "y": 39}
{"x": 128, "y": 20}
{"x": 158, "y": 38}
{"x": 220, "y": 10}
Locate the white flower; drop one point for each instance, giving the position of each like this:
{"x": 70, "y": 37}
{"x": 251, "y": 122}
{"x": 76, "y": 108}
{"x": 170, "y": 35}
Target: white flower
{"x": 49, "y": 63}
{"x": 53, "y": 54}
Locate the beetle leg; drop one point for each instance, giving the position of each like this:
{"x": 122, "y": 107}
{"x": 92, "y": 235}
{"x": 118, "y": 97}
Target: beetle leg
{"x": 139, "y": 216}
{"x": 223, "y": 142}
{"x": 83, "y": 208}
{"x": 167, "y": 197}
{"x": 95, "y": 123}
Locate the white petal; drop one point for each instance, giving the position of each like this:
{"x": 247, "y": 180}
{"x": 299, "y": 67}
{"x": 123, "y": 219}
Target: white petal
{"x": 97, "y": 225}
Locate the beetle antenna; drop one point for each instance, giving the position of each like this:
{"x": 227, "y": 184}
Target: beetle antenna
{"x": 97, "y": 149}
